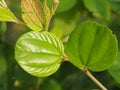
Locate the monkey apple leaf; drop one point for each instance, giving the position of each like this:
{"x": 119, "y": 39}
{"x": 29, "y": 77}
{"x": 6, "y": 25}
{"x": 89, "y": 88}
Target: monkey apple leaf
{"x": 6, "y": 14}
{"x": 35, "y": 14}
{"x": 99, "y": 8}
{"x": 93, "y": 46}
{"x": 39, "y": 54}
{"x": 65, "y": 5}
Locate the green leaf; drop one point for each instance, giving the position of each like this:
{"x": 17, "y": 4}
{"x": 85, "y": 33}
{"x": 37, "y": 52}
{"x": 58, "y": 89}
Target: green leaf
{"x": 115, "y": 6}
{"x": 65, "y": 5}
{"x": 99, "y": 8}
{"x": 6, "y": 14}
{"x": 114, "y": 70}
{"x": 40, "y": 54}
{"x": 35, "y": 14}
{"x": 93, "y": 46}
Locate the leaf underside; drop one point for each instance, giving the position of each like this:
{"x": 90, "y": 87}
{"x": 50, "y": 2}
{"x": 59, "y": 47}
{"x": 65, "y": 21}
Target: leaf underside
{"x": 93, "y": 46}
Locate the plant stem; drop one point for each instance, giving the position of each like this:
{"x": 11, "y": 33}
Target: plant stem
{"x": 86, "y": 71}
{"x": 65, "y": 58}
{"x": 38, "y": 84}
{"x": 54, "y": 6}
{"x": 53, "y": 9}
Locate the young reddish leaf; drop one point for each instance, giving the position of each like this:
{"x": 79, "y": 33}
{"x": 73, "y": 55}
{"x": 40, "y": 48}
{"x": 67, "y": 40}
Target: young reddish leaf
{"x": 35, "y": 14}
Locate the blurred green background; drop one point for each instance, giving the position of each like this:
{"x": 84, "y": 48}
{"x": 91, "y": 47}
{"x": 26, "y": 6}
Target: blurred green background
{"x": 68, "y": 15}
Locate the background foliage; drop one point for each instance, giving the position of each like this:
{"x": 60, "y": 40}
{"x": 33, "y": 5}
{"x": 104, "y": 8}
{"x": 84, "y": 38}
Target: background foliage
{"x": 69, "y": 14}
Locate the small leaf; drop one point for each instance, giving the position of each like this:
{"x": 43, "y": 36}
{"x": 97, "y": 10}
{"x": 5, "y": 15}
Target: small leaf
{"x": 40, "y": 54}
{"x": 93, "y": 46}
{"x": 66, "y": 5}
{"x": 115, "y": 5}
{"x": 99, "y": 8}
{"x": 114, "y": 70}
{"x": 35, "y": 14}
{"x": 6, "y": 14}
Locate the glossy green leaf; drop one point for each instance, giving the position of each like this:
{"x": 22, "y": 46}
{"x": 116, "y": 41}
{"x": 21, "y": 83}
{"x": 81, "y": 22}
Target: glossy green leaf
{"x": 93, "y": 46}
{"x": 65, "y": 5}
{"x": 35, "y": 14}
{"x": 40, "y": 54}
{"x": 114, "y": 70}
{"x": 99, "y": 8}
{"x": 6, "y": 14}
